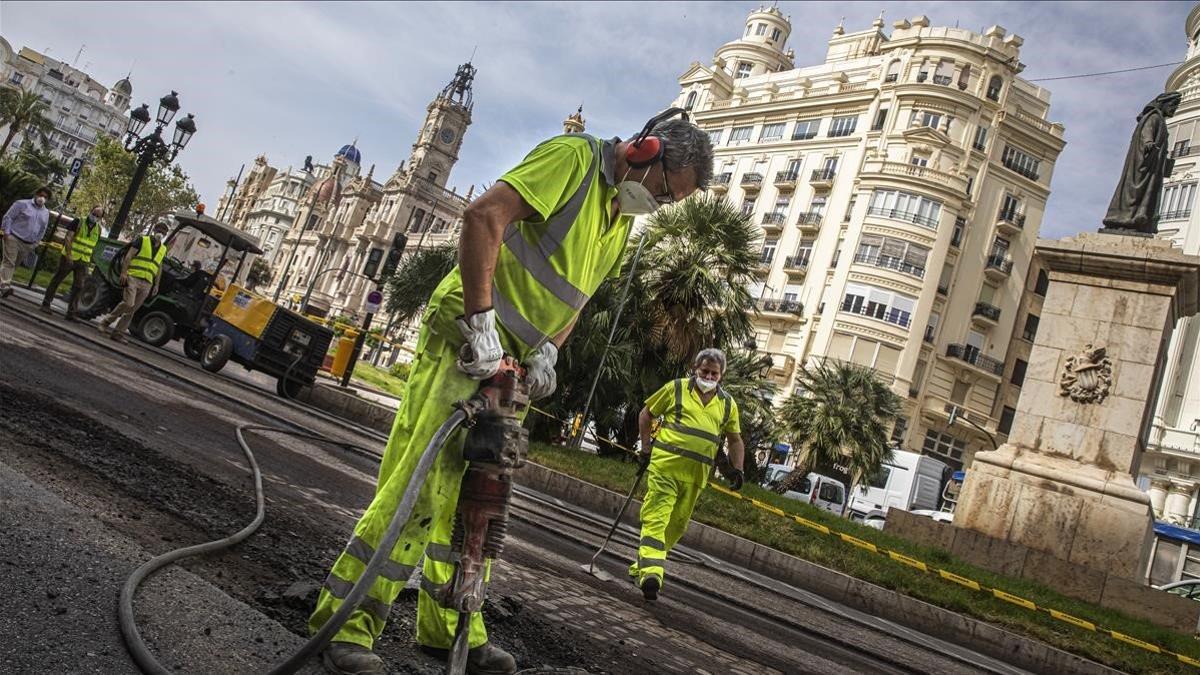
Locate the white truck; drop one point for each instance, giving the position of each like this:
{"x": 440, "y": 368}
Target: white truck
{"x": 823, "y": 492}
{"x": 909, "y": 481}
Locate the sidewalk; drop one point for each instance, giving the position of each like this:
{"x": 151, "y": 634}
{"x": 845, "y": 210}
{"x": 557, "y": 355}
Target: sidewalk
{"x": 63, "y": 571}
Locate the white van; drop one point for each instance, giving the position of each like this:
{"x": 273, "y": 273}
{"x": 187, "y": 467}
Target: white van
{"x": 821, "y": 491}
{"x": 909, "y": 481}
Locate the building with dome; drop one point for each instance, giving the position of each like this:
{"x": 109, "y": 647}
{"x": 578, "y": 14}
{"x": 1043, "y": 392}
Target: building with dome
{"x": 81, "y": 108}
{"x": 327, "y": 220}
{"x": 1170, "y": 469}
{"x": 899, "y": 186}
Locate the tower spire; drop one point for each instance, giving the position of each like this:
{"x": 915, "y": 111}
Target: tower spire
{"x": 459, "y": 90}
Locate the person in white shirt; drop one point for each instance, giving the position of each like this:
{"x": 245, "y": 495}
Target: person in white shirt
{"x": 23, "y": 227}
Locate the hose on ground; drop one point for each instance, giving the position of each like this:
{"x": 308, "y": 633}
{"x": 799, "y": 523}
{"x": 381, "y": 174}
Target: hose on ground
{"x": 129, "y": 630}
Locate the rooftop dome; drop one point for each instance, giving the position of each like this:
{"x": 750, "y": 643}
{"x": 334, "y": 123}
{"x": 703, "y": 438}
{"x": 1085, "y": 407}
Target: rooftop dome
{"x": 350, "y": 153}
{"x": 123, "y": 86}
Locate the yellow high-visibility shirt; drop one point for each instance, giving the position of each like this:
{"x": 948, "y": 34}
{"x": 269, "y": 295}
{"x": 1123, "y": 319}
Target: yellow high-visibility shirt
{"x": 687, "y": 442}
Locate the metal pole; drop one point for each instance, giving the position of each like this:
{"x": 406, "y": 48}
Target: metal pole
{"x": 232, "y": 193}
{"x": 71, "y": 190}
{"x": 954, "y": 416}
{"x": 577, "y": 442}
{"x": 146, "y": 156}
{"x": 358, "y": 343}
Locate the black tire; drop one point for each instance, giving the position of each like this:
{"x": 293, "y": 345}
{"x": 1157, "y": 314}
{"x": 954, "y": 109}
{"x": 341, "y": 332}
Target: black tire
{"x": 216, "y": 353}
{"x": 155, "y": 329}
{"x": 95, "y": 298}
{"x": 193, "y": 346}
{"x": 288, "y": 388}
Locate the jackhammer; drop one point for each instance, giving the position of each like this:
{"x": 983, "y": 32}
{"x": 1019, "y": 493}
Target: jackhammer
{"x": 496, "y": 445}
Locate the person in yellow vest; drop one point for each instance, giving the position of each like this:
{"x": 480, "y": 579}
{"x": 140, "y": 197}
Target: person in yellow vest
{"x": 76, "y": 259}
{"x": 533, "y": 248}
{"x": 696, "y": 414}
{"x": 141, "y": 268}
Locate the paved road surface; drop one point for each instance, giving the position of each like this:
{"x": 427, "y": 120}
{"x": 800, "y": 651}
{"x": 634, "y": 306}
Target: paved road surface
{"x": 153, "y": 459}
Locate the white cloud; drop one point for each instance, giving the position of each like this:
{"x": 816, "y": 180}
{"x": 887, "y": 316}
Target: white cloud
{"x": 293, "y": 79}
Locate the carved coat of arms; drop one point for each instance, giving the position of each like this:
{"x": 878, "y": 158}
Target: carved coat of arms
{"x": 1086, "y": 376}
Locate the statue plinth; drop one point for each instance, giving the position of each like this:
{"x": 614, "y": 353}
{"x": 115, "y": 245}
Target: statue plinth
{"x": 1065, "y": 483}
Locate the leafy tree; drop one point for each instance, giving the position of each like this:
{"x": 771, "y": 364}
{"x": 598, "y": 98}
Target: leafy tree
{"x": 841, "y": 414}
{"x": 24, "y": 111}
{"x": 745, "y": 380}
{"x": 688, "y": 292}
{"x": 106, "y": 178}
{"x": 259, "y": 274}
{"x": 15, "y": 184}
{"x": 415, "y": 279}
{"x": 40, "y": 161}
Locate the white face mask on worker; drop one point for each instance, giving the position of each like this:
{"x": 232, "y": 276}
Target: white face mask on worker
{"x": 634, "y": 198}
{"x": 40, "y": 201}
{"x": 705, "y": 385}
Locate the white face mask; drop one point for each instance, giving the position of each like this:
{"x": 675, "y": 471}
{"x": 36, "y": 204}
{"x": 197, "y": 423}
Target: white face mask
{"x": 40, "y": 201}
{"x": 705, "y": 385}
{"x": 634, "y": 198}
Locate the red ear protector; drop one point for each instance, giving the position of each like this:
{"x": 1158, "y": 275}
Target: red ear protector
{"x": 646, "y": 149}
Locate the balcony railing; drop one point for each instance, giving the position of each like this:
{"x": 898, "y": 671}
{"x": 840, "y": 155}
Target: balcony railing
{"x": 921, "y": 77}
{"x": 1000, "y": 262}
{"x": 1028, "y": 334}
{"x": 943, "y": 290}
{"x": 1021, "y": 170}
{"x": 987, "y": 311}
{"x": 774, "y": 218}
{"x": 796, "y": 262}
{"x": 811, "y": 218}
{"x": 1185, "y": 151}
{"x": 721, "y": 179}
{"x": 973, "y": 356}
{"x": 822, "y": 175}
{"x": 928, "y": 336}
{"x": 786, "y": 177}
{"x": 942, "y": 79}
{"x": 781, "y": 305}
{"x": 979, "y": 146}
{"x": 890, "y": 263}
{"x": 1013, "y": 218}
{"x": 752, "y": 180}
{"x": 897, "y": 214}
{"x": 891, "y": 77}
{"x": 873, "y": 310}
{"x": 1176, "y": 215}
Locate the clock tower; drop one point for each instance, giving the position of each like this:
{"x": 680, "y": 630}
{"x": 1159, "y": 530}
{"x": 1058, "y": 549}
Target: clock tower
{"x": 446, "y": 120}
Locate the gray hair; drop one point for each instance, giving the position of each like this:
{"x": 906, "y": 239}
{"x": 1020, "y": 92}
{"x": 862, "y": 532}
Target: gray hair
{"x": 687, "y": 145}
{"x": 710, "y": 354}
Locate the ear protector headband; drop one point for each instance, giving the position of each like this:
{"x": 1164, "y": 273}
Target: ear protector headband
{"x": 646, "y": 149}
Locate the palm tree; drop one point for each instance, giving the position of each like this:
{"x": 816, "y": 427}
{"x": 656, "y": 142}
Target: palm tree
{"x": 841, "y": 414}
{"x": 40, "y": 161}
{"x": 415, "y": 279}
{"x": 745, "y": 381}
{"x": 23, "y": 111}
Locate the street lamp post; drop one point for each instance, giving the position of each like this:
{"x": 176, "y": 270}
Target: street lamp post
{"x": 151, "y": 148}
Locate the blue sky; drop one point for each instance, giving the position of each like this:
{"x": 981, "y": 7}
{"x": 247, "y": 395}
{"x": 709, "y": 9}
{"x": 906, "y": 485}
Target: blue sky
{"x": 290, "y": 80}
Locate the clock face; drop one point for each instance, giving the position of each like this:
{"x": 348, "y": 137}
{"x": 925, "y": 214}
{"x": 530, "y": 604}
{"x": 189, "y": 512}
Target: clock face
{"x": 447, "y": 135}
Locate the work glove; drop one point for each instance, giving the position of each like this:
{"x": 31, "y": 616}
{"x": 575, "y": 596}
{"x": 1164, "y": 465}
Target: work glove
{"x": 643, "y": 458}
{"x": 735, "y": 477}
{"x": 540, "y": 371}
{"x": 479, "y": 357}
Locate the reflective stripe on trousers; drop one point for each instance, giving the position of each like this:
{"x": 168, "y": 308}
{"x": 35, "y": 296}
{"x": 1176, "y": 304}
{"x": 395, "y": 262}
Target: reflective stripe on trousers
{"x": 666, "y": 510}
{"x": 434, "y": 385}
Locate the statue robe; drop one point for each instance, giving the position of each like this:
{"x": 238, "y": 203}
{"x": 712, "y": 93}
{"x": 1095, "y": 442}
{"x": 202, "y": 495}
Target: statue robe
{"x": 1135, "y": 202}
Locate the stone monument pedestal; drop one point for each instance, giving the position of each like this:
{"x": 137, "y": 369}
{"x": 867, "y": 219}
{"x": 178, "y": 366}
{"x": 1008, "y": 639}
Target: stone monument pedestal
{"x": 1065, "y": 483}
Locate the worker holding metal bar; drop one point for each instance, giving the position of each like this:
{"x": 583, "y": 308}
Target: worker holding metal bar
{"x": 76, "y": 259}
{"x": 696, "y": 414}
{"x": 533, "y": 249}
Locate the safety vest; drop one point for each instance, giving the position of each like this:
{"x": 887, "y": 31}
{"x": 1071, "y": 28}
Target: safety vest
{"x": 85, "y": 240}
{"x": 146, "y": 262}
{"x": 546, "y": 271}
{"x": 690, "y": 435}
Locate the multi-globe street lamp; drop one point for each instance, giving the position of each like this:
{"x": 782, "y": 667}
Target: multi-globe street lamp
{"x": 151, "y": 148}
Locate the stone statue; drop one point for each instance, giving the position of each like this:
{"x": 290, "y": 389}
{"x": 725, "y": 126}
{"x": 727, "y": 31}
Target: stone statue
{"x": 1134, "y": 204}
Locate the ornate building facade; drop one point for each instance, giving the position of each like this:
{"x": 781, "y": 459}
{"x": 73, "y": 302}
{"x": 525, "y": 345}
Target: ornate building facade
{"x": 1171, "y": 465}
{"x": 81, "y": 108}
{"x": 326, "y": 220}
{"x": 900, "y": 187}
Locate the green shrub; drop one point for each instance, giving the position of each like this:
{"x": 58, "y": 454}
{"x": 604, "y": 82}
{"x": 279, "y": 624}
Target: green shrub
{"x": 400, "y": 370}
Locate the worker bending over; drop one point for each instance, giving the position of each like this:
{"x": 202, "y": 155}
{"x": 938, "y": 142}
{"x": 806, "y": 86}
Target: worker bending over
{"x": 696, "y": 413}
{"x": 533, "y": 249}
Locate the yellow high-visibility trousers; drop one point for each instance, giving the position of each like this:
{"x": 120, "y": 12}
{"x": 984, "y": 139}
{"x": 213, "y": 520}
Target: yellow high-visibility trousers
{"x": 666, "y": 510}
{"x": 434, "y": 385}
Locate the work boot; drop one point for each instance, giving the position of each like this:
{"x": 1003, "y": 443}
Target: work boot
{"x": 70, "y": 316}
{"x": 6, "y": 291}
{"x": 650, "y": 588}
{"x": 486, "y": 659}
{"x": 345, "y": 658}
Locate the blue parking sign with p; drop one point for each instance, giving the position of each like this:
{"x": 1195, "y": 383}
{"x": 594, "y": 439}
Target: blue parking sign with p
{"x": 76, "y": 166}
